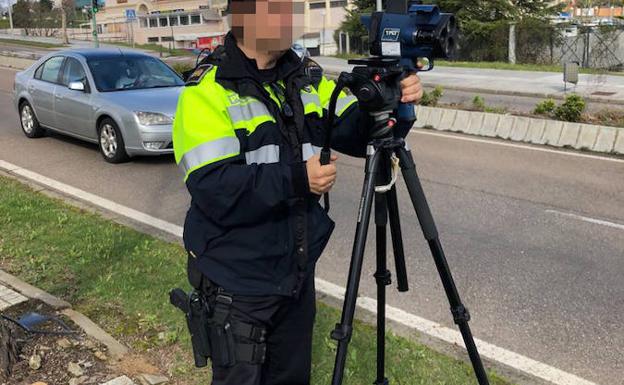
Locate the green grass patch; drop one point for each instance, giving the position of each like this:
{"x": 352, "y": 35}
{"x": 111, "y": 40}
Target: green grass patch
{"x": 120, "y": 278}
{"x": 30, "y": 43}
{"x": 4, "y": 24}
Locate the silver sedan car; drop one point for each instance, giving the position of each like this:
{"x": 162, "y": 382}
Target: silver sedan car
{"x": 123, "y": 100}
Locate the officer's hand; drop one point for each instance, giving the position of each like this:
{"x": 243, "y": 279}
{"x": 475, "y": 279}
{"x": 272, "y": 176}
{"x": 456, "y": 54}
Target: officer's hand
{"x": 321, "y": 178}
{"x": 411, "y": 89}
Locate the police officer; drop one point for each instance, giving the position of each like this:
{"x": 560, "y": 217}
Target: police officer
{"x": 247, "y": 135}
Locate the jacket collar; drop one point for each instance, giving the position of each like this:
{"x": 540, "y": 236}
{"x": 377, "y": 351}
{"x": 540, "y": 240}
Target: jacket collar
{"x": 235, "y": 65}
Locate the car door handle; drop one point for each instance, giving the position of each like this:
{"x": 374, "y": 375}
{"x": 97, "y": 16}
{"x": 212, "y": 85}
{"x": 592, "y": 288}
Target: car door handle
{"x": 59, "y": 97}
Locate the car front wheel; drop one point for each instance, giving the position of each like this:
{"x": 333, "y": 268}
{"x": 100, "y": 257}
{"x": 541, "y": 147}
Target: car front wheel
{"x": 111, "y": 142}
{"x": 30, "y": 124}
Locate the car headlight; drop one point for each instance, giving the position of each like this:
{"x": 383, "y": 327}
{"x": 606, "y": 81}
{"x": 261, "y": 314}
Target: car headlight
{"x": 152, "y": 118}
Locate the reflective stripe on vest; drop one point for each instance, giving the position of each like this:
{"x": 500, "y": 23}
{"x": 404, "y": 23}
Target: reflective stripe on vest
{"x": 209, "y": 152}
{"x": 308, "y": 150}
{"x": 311, "y": 103}
{"x": 342, "y": 104}
{"x": 249, "y": 115}
{"x": 266, "y": 154}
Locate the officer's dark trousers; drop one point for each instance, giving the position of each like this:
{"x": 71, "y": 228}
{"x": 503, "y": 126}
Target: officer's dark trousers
{"x": 289, "y": 323}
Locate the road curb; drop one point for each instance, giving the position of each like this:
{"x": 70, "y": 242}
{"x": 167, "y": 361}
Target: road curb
{"x": 17, "y": 60}
{"x": 115, "y": 348}
{"x": 579, "y": 136}
{"x": 33, "y": 292}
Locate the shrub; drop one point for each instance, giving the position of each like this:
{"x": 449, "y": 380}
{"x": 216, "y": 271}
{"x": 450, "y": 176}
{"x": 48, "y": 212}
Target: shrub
{"x": 432, "y": 98}
{"x": 545, "y": 107}
{"x": 571, "y": 109}
{"x": 478, "y": 103}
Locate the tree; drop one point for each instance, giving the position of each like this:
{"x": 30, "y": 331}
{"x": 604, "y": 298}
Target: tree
{"x": 68, "y": 8}
{"x": 22, "y": 17}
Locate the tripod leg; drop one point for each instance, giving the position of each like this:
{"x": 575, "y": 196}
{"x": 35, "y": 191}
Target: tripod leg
{"x": 460, "y": 313}
{"x": 382, "y": 274}
{"x": 397, "y": 240}
{"x": 343, "y": 330}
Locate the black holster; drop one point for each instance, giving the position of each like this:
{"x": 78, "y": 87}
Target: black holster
{"x": 213, "y": 333}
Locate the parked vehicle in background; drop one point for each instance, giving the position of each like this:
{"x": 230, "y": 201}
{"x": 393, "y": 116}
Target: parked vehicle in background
{"x": 123, "y": 100}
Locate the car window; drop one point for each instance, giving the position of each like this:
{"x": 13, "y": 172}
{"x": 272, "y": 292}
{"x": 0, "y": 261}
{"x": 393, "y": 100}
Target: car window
{"x": 132, "y": 73}
{"x": 73, "y": 72}
{"x": 39, "y": 71}
{"x": 51, "y": 68}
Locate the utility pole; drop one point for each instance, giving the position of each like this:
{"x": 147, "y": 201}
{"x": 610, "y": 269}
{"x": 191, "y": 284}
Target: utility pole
{"x": 10, "y": 16}
{"x": 94, "y": 10}
{"x": 512, "y": 43}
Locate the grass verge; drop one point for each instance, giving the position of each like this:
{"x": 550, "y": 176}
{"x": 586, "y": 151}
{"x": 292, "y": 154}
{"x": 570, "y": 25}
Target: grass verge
{"x": 156, "y": 48}
{"x": 120, "y": 278}
{"x": 31, "y": 43}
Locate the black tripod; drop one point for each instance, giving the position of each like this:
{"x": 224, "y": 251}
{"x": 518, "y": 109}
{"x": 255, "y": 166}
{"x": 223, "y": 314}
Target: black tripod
{"x": 382, "y": 150}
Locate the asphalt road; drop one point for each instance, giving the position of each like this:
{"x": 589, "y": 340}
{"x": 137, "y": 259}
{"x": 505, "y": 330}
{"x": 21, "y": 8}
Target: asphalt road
{"x": 469, "y": 79}
{"x": 598, "y": 86}
{"x": 537, "y": 281}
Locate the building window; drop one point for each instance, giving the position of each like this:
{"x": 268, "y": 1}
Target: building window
{"x": 143, "y": 22}
{"x": 162, "y": 22}
{"x": 317, "y": 5}
{"x": 195, "y": 19}
{"x": 184, "y": 20}
{"x": 152, "y": 39}
{"x": 173, "y": 21}
{"x": 166, "y": 38}
{"x": 153, "y": 22}
{"x": 338, "y": 3}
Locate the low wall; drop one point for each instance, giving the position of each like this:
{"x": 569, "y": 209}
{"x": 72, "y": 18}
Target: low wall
{"x": 548, "y": 132}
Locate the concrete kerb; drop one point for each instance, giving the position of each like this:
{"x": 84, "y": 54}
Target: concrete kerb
{"x": 619, "y": 142}
{"x": 555, "y": 133}
{"x": 536, "y": 131}
{"x": 587, "y": 137}
{"x": 115, "y": 349}
{"x": 570, "y": 134}
{"x": 520, "y": 129}
{"x": 605, "y": 141}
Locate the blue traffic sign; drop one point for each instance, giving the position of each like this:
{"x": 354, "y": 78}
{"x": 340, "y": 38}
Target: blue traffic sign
{"x": 130, "y": 14}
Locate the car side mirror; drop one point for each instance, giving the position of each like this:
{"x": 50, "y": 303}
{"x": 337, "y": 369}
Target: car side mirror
{"x": 76, "y": 86}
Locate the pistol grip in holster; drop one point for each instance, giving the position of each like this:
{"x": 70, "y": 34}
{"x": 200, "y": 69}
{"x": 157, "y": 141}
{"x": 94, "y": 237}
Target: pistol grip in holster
{"x": 196, "y": 313}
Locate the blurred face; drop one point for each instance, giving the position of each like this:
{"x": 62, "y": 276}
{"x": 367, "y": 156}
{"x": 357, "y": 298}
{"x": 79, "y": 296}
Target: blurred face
{"x": 267, "y": 25}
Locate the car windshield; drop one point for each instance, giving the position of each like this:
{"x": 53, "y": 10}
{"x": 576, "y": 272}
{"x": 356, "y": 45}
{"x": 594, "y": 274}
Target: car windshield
{"x": 132, "y": 73}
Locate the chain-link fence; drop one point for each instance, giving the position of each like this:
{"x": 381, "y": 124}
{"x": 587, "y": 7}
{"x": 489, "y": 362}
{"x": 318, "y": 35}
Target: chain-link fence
{"x": 536, "y": 42}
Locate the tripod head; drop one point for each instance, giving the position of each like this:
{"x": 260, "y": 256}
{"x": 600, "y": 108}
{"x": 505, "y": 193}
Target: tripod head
{"x": 375, "y": 82}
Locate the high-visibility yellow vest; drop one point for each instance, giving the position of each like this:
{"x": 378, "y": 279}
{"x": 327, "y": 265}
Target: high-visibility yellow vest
{"x": 209, "y": 117}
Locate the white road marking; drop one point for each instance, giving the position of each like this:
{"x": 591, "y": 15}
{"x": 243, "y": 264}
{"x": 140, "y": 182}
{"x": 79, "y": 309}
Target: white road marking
{"x": 422, "y": 325}
{"x": 588, "y": 219}
{"x": 516, "y": 145}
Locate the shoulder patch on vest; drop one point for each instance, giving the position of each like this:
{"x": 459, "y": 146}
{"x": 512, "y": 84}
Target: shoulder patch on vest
{"x": 198, "y": 74}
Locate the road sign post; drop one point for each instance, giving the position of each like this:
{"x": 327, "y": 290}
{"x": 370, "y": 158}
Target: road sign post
{"x": 130, "y": 18}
